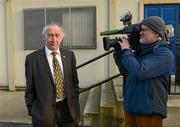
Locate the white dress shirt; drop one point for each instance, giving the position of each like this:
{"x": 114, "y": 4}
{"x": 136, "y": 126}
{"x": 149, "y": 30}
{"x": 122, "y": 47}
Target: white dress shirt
{"x": 50, "y": 59}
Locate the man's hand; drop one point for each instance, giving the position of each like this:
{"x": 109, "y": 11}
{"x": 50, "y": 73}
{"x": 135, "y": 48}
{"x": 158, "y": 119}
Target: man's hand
{"x": 124, "y": 43}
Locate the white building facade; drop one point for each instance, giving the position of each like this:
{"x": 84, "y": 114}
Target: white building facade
{"x": 107, "y": 15}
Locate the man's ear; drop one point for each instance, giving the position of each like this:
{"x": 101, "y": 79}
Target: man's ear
{"x": 156, "y": 34}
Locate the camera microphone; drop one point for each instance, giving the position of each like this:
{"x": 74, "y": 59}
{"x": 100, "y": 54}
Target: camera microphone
{"x": 111, "y": 32}
{"x": 134, "y": 28}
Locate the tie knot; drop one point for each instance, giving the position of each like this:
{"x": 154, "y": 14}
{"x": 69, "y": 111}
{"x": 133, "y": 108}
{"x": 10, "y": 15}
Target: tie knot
{"x": 54, "y": 53}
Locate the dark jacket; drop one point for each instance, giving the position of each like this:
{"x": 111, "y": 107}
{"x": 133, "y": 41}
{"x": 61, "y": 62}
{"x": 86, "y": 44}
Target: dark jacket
{"x": 40, "y": 94}
{"x": 147, "y": 79}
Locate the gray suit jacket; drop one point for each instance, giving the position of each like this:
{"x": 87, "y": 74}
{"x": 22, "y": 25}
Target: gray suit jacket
{"x": 40, "y": 94}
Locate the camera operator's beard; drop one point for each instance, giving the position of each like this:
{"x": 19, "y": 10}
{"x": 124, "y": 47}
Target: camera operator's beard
{"x": 145, "y": 39}
{"x": 142, "y": 40}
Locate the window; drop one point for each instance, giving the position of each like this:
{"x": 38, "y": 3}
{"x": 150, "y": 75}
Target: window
{"x": 79, "y": 25}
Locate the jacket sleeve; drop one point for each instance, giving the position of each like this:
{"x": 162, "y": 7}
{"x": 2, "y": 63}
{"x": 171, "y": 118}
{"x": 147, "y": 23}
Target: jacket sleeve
{"x": 74, "y": 74}
{"x": 29, "y": 92}
{"x": 157, "y": 64}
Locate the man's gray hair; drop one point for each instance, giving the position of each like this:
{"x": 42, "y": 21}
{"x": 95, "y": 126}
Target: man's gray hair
{"x": 45, "y": 29}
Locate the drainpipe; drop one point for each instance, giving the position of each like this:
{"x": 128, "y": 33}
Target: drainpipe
{"x": 10, "y": 44}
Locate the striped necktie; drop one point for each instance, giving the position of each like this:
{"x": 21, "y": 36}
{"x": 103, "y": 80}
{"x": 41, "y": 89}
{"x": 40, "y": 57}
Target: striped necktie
{"x": 58, "y": 77}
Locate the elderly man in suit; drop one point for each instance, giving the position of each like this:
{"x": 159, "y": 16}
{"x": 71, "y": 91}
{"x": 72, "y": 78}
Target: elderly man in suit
{"x": 51, "y": 93}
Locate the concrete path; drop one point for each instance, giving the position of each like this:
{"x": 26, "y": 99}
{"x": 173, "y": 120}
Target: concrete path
{"x": 12, "y": 107}
{"x": 13, "y": 110}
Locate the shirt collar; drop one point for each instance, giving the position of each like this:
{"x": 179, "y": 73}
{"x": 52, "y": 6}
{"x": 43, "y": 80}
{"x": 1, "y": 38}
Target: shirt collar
{"x": 48, "y": 52}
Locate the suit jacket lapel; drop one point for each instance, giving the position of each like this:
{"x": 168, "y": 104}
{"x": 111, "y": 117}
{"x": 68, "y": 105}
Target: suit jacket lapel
{"x": 46, "y": 64}
{"x": 65, "y": 64}
{"x": 64, "y": 61}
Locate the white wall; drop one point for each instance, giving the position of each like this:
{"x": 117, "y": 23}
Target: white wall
{"x": 3, "y": 46}
{"x": 88, "y": 75}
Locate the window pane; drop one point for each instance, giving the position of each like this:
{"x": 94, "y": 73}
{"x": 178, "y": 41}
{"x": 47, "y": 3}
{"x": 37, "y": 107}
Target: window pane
{"x": 56, "y": 15}
{"x": 67, "y": 29}
{"x": 83, "y": 27}
{"x": 60, "y": 16}
{"x": 34, "y": 21}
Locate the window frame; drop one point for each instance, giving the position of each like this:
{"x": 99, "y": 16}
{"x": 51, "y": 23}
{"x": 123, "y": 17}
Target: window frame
{"x": 34, "y": 46}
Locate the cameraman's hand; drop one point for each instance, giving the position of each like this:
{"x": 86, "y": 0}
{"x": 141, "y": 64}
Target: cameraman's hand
{"x": 124, "y": 43}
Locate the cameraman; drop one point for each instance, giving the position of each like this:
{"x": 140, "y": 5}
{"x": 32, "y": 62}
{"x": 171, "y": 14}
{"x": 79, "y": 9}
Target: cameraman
{"x": 147, "y": 77}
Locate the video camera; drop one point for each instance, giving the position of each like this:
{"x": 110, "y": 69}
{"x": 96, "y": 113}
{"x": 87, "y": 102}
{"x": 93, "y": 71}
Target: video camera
{"x": 133, "y": 33}
{"x": 131, "y": 30}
